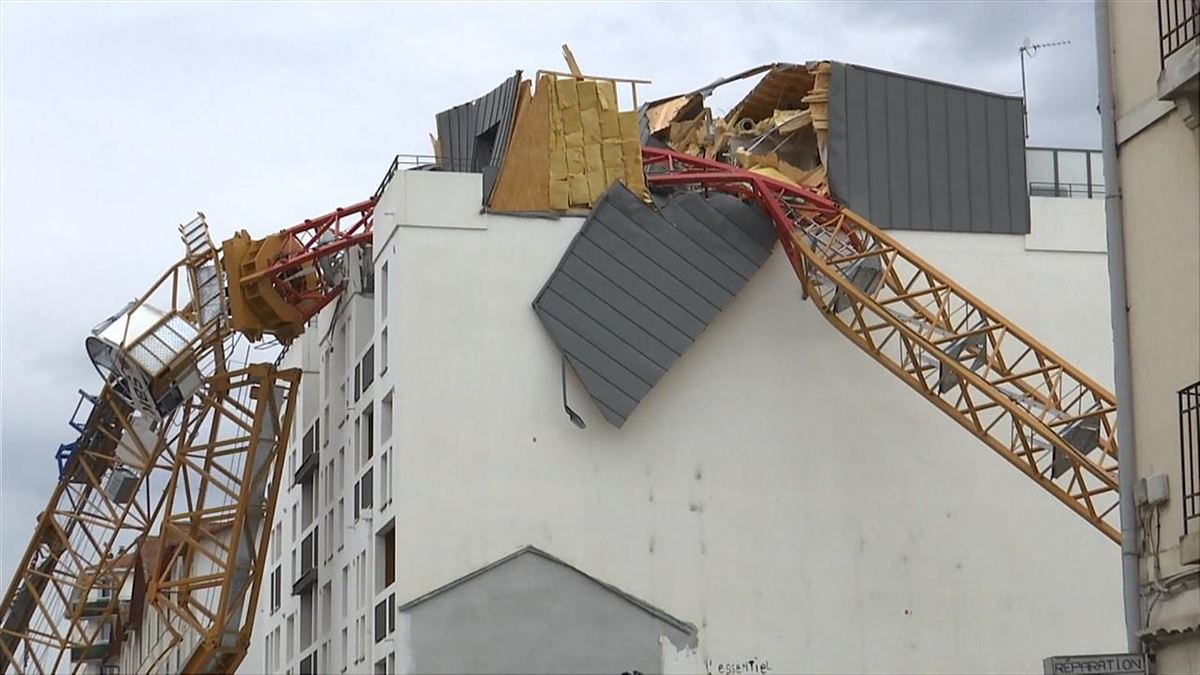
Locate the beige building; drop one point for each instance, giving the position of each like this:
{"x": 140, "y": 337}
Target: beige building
{"x": 1153, "y": 139}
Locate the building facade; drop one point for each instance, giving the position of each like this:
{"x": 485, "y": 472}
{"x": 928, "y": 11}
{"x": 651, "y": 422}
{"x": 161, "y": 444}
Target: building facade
{"x": 1155, "y": 64}
{"x": 778, "y": 502}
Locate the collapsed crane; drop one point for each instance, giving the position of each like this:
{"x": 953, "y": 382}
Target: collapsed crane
{"x": 170, "y": 489}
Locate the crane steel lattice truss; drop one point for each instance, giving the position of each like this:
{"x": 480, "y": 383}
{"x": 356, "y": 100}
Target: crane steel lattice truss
{"x": 1039, "y": 412}
{"x": 195, "y": 449}
{"x": 182, "y": 449}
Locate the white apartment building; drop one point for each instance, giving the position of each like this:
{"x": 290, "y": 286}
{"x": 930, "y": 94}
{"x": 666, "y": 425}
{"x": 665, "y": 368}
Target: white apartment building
{"x": 777, "y": 503}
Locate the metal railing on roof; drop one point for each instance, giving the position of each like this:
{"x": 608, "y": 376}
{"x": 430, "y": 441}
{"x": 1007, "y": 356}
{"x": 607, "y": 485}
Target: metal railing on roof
{"x": 1178, "y": 24}
{"x": 419, "y": 161}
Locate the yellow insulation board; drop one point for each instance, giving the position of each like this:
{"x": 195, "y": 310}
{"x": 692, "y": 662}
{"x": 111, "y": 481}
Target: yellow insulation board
{"x": 592, "y": 144}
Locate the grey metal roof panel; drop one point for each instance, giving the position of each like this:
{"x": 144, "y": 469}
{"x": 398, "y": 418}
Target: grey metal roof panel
{"x": 913, "y": 154}
{"x": 474, "y": 136}
{"x": 637, "y": 286}
{"x": 660, "y": 614}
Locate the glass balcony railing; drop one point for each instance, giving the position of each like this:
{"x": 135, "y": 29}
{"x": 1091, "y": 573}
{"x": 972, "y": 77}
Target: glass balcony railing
{"x": 1064, "y": 172}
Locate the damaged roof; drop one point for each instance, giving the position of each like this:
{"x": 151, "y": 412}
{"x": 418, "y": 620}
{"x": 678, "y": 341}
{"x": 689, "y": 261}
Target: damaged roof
{"x": 473, "y": 137}
{"x": 647, "y": 273}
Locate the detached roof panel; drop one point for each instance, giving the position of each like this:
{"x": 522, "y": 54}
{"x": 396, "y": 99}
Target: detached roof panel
{"x": 474, "y": 136}
{"x": 637, "y": 286}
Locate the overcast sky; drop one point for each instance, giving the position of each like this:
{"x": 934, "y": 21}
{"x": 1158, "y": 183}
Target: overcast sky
{"x": 118, "y": 122}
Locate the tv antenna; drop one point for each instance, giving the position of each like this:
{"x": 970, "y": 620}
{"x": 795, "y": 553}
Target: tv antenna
{"x": 1031, "y": 49}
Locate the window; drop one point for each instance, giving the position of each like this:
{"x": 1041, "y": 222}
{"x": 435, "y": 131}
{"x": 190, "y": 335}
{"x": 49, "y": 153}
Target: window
{"x": 368, "y": 417}
{"x": 357, "y": 381}
{"x": 341, "y": 469}
{"x": 368, "y": 489}
{"x": 276, "y": 545}
{"x": 329, "y": 484}
{"x": 327, "y": 608}
{"x": 357, "y": 505}
{"x": 381, "y": 621}
{"x": 308, "y": 666}
{"x": 362, "y": 575}
{"x": 345, "y": 648}
{"x": 385, "y": 496}
{"x": 346, "y": 590}
{"x": 307, "y": 623}
{"x": 308, "y": 506}
{"x": 385, "y": 418}
{"x": 327, "y": 376}
{"x": 291, "y": 636}
{"x": 383, "y": 293}
{"x": 325, "y": 423}
{"x": 341, "y": 523}
{"x": 385, "y": 558}
{"x": 276, "y": 588}
{"x": 329, "y": 539}
{"x": 361, "y": 639}
{"x": 383, "y": 351}
{"x": 368, "y": 368}
{"x": 358, "y": 456}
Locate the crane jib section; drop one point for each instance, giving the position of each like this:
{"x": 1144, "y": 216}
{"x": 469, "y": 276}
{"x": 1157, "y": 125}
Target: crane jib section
{"x": 1039, "y": 412}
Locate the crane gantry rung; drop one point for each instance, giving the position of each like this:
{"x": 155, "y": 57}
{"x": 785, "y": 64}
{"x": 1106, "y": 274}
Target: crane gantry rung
{"x": 1047, "y": 418}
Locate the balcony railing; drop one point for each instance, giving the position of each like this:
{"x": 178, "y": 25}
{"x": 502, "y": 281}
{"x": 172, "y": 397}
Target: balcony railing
{"x": 1178, "y": 24}
{"x": 1076, "y": 190}
{"x": 1064, "y": 172}
{"x": 1189, "y": 455}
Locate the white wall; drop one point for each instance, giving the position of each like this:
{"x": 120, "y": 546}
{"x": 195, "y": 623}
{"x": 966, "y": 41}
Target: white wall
{"x": 778, "y": 488}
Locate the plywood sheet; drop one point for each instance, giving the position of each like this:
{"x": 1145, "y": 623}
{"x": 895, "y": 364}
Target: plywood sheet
{"x": 524, "y": 180}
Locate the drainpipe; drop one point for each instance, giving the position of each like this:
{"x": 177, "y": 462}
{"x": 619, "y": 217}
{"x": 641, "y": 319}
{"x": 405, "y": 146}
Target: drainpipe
{"x": 1118, "y": 306}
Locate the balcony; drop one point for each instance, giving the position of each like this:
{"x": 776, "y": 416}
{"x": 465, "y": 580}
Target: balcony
{"x": 1065, "y": 173}
{"x": 1179, "y": 56}
{"x": 306, "y": 577}
{"x": 309, "y": 457}
{"x": 1189, "y": 455}
{"x": 92, "y": 652}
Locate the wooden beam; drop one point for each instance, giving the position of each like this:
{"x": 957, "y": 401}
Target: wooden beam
{"x": 571, "y": 64}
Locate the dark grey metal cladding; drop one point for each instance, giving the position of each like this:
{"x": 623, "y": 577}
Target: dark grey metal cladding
{"x": 637, "y": 286}
{"x": 474, "y": 136}
{"x": 911, "y": 154}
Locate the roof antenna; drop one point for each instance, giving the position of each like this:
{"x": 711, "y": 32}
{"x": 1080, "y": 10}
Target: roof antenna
{"x": 575, "y": 418}
{"x": 1031, "y": 49}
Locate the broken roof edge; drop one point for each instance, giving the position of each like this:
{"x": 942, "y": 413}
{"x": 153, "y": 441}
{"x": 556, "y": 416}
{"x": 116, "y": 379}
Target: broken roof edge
{"x": 708, "y": 89}
{"x": 529, "y": 549}
{"x": 926, "y": 80}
